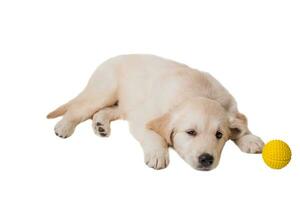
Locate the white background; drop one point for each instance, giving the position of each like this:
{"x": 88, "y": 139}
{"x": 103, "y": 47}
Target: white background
{"x": 48, "y": 50}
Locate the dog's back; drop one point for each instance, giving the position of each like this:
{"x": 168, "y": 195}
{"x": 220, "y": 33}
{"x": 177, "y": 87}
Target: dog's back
{"x": 157, "y": 84}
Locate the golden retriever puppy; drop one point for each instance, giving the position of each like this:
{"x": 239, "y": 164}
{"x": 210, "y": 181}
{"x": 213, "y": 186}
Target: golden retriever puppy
{"x": 166, "y": 104}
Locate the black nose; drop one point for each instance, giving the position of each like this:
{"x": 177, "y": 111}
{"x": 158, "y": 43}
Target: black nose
{"x": 206, "y": 160}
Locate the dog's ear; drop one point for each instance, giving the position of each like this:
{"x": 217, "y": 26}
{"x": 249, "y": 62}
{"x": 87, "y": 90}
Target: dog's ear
{"x": 238, "y": 125}
{"x": 161, "y": 126}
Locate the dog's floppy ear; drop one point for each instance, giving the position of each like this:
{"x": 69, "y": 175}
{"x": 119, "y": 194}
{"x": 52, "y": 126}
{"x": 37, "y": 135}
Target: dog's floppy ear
{"x": 238, "y": 125}
{"x": 161, "y": 125}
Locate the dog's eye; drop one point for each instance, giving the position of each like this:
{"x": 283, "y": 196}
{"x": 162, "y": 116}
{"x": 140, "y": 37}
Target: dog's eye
{"x": 219, "y": 135}
{"x": 191, "y": 132}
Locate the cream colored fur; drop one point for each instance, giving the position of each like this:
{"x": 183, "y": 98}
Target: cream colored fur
{"x": 162, "y": 100}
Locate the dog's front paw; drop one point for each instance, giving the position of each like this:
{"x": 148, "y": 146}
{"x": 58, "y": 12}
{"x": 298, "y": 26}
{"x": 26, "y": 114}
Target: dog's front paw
{"x": 101, "y": 127}
{"x": 157, "y": 158}
{"x": 64, "y": 129}
{"x": 250, "y": 144}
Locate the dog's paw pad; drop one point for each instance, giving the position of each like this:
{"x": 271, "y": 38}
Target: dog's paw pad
{"x": 101, "y": 128}
{"x": 61, "y": 136}
{"x": 64, "y": 129}
{"x": 157, "y": 159}
{"x": 99, "y": 124}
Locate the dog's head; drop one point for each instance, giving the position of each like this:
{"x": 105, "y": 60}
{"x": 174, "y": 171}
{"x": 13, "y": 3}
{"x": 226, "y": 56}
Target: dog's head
{"x": 198, "y": 129}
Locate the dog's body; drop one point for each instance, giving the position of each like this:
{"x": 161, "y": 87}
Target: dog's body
{"x": 166, "y": 103}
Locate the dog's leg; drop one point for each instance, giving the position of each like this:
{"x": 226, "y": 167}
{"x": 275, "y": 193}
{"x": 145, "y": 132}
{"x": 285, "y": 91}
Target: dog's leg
{"x": 155, "y": 148}
{"x": 100, "y": 92}
{"x": 102, "y": 119}
{"x": 79, "y": 112}
{"x": 249, "y": 143}
{"x": 240, "y": 133}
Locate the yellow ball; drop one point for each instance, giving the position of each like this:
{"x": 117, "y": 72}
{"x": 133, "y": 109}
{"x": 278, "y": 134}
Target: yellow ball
{"x": 276, "y": 154}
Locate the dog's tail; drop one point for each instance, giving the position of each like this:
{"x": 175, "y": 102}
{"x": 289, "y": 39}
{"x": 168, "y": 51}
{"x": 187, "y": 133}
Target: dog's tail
{"x": 61, "y": 110}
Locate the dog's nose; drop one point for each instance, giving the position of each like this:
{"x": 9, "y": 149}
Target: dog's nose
{"x": 206, "y": 160}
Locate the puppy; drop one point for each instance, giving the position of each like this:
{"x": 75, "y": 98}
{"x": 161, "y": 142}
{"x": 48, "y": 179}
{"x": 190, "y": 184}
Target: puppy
{"x": 166, "y": 104}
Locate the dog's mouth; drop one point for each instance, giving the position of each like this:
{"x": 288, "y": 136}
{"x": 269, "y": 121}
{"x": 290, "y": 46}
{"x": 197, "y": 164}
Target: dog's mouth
{"x": 202, "y": 168}
{"x": 205, "y": 168}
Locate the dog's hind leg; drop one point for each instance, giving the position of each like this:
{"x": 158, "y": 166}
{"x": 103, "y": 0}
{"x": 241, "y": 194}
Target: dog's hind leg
{"x": 102, "y": 119}
{"x": 100, "y": 92}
